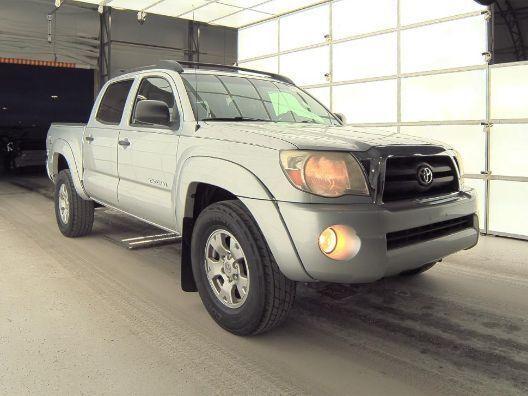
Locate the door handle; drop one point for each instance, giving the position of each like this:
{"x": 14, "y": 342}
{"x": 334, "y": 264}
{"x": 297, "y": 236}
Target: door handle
{"x": 124, "y": 143}
{"x": 89, "y": 138}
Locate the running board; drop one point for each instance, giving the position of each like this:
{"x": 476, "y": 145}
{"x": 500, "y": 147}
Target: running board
{"x": 148, "y": 241}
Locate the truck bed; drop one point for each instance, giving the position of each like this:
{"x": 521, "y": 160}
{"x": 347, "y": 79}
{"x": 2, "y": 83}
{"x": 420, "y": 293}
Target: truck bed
{"x": 70, "y": 134}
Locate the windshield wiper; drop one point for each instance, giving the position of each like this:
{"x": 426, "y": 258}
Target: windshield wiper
{"x": 234, "y": 119}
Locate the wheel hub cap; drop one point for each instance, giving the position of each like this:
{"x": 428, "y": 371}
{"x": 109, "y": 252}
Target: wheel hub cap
{"x": 226, "y": 268}
{"x": 64, "y": 204}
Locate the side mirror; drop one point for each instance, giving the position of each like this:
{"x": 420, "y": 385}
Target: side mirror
{"x": 154, "y": 112}
{"x": 341, "y": 117}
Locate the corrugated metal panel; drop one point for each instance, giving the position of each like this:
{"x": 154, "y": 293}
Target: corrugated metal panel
{"x": 24, "y": 32}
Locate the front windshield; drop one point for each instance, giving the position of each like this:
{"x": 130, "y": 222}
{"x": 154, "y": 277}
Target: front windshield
{"x": 225, "y": 98}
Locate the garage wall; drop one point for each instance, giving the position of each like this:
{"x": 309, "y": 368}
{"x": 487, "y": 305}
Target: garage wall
{"x": 161, "y": 37}
{"x": 75, "y": 32}
{"x": 413, "y": 66}
{"x": 24, "y": 32}
{"x": 508, "y": 149}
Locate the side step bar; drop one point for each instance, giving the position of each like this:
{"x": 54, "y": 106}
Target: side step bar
{"x": 148, "y": 241}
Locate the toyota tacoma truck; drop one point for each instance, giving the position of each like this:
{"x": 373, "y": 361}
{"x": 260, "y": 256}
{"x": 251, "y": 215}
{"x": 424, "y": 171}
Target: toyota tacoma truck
{"x": 265, "y": 185}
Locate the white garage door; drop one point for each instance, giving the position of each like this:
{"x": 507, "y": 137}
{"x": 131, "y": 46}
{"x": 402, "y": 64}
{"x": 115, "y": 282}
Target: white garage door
{"x": 418, "y": 66}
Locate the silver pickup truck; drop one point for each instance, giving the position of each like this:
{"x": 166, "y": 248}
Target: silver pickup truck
{"x": 265, "y": 185}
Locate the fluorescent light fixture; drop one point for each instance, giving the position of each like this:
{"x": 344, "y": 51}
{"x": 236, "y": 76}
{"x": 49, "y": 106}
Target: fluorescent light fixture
{"x": 276, "y": 7}
{"x": 243, "y": 3}
{"x": 130, "y": 4}
{"x": 241, "y": 18}
{"x": 210, "y": 12}
{"x": 232, "y": 13}
{"x": 176, "y": 8}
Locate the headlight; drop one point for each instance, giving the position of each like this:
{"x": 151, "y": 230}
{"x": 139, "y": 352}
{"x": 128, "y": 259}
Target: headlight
{"x": 329, "y": 174}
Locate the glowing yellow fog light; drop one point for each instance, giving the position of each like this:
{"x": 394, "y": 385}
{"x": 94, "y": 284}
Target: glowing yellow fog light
{"x": 328, "y": 240}
{"x": 339, "y": 242}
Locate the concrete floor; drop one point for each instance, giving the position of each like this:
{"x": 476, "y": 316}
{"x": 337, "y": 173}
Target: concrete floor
{"x": 88, "y": 316}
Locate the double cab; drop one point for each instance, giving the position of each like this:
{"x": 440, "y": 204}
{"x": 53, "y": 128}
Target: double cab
{"x": 264, "y": 184}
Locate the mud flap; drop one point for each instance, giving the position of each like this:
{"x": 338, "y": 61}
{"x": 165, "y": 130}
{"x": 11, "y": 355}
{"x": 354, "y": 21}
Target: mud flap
{"x": 187, "y": 278}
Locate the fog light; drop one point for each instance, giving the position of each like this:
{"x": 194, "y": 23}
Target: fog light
{"x": 328, "y": 240}
{"x": 339, "y": 242}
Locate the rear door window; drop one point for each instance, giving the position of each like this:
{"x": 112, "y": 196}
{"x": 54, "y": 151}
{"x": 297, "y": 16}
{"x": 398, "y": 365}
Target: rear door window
{"x": 113, "y": 103}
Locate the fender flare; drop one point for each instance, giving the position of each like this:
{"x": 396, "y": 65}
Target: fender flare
{"x": 260, "y": 202}
{"x": 62, "y": 147}
{"x": 233, "y": 177}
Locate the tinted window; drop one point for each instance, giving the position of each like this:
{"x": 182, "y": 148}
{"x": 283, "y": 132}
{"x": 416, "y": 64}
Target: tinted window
{"x": 225, "y": 97}
{"x": 157, "y": 88}
{"x": 113, "y": 102}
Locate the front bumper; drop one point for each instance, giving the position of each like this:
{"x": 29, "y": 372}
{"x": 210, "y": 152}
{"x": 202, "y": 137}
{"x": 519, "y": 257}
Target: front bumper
{"x": 372, "y": 223}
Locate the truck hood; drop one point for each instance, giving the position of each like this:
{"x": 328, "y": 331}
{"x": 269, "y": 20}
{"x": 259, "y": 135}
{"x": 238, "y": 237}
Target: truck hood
{"x": 310, "y": 136}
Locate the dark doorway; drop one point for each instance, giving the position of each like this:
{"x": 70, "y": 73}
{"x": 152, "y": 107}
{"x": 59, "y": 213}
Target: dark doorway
{"x": 31, "y": 98}
{"x": 509, "y": 34}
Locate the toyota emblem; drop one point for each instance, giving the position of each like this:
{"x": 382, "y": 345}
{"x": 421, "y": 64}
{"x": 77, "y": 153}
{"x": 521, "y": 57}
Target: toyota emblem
{"x": 425, "y": 175}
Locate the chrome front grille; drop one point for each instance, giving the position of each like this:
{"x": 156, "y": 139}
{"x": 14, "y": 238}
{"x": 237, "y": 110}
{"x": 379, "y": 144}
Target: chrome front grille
{"x": 419, "y": 177}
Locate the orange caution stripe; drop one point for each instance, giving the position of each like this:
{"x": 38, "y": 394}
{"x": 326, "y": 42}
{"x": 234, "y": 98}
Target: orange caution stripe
{"x": 35, "y": 62}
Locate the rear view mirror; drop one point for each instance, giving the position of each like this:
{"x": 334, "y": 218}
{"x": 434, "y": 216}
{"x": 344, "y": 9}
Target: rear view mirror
{"x": 154, "y": 112}
{"x": 341, "y": 117}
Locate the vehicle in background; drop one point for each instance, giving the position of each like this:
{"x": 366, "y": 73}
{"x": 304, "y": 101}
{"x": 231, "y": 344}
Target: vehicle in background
{"x": 266, "y": 186}
{"x": 22, "y": 148}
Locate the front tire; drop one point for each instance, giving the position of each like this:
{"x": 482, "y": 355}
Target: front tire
{"x": 74, "y": 215}
{"x": 237, "y": 277}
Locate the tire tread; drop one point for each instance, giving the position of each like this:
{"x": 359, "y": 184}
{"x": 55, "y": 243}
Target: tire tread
{"x": 280, "y": 291}
{"x": 82, "y": 210}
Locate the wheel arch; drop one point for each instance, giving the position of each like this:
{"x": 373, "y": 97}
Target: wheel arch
{"x": 232, "y": 181}
{"x": 229, "y": 177}
{"x": 63, "y": 158}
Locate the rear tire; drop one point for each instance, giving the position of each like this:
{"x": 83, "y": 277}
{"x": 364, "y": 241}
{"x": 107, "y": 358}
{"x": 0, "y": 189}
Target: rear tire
{"x": 74, "y": 215}
{"x": 269, "y": 294}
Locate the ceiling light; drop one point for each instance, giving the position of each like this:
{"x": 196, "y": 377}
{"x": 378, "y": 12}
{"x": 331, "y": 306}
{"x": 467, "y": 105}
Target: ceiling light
{"x": 241, "y": 18}
{"x": 210, "y": 12}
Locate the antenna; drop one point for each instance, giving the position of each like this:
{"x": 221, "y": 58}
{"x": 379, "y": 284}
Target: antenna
{"x": 197, "y": 47}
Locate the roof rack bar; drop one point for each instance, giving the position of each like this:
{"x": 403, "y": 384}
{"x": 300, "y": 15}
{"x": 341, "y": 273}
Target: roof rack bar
{"x": 177, "y": 67}
{"x": 171, "y": 64}
{"x": 163, "y": 64}
{"x": 236, "y": 68}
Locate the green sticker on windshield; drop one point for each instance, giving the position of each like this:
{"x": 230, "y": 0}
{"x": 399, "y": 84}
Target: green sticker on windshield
{"x": 285, "y": 102}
